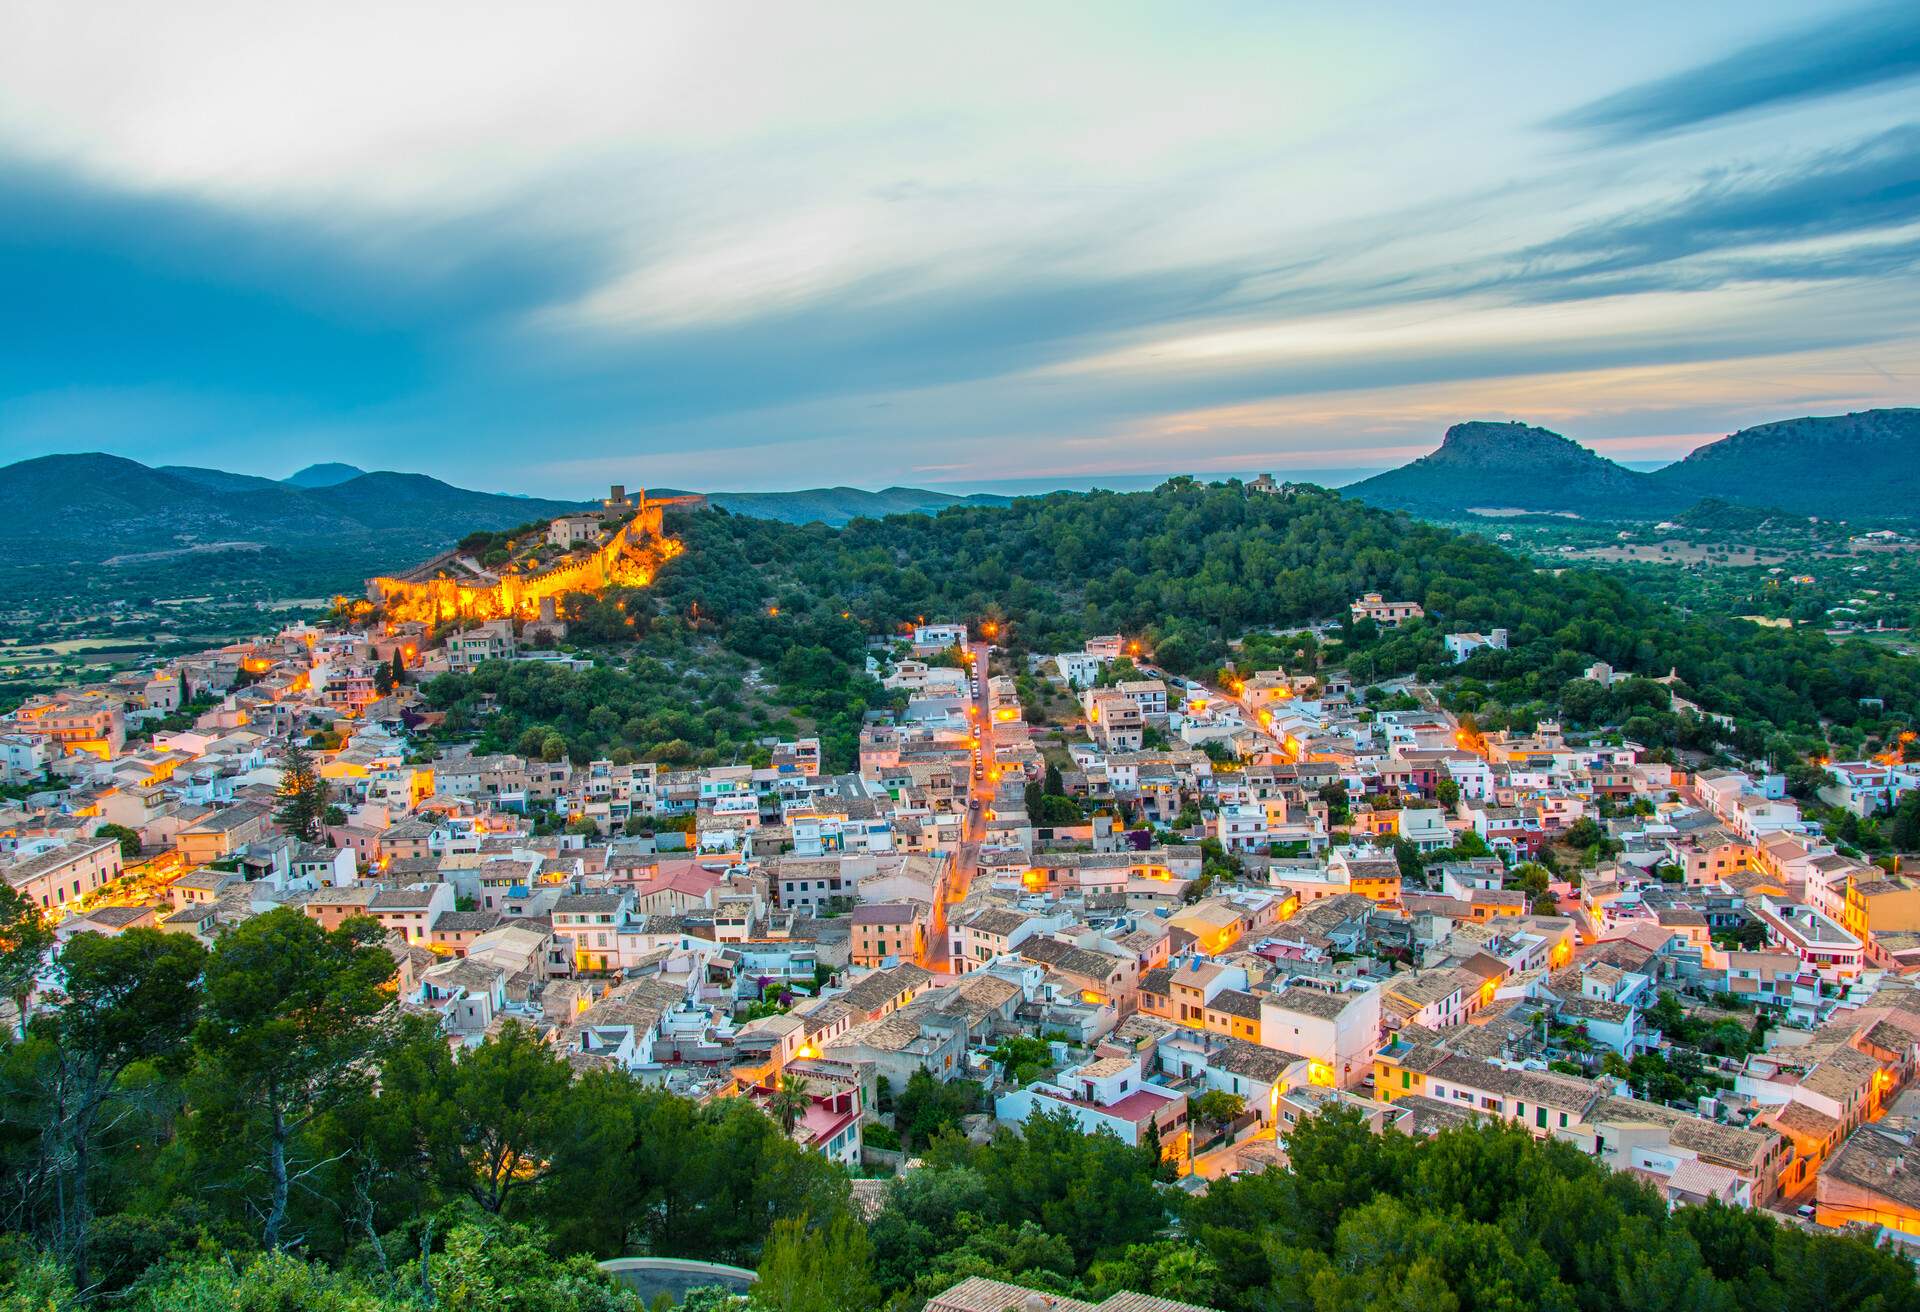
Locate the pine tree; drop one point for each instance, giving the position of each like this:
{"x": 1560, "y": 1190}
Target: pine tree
{"x": 303, "y": 794}
{"x": 399, "y": 669}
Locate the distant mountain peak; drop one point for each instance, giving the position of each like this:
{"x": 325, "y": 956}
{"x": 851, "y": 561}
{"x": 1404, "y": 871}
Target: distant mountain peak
{"x": 1507, "y": 466}
{"x": 330, "y": 473}
{"x": 1490, "y": 441}
{"x": 1840, "y": 466}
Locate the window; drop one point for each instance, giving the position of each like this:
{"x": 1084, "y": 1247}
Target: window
{"x": 1540, "y": 1117}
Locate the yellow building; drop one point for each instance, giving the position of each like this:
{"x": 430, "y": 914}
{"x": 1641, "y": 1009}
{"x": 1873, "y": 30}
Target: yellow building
{"x": 1215, "y": 925}
{"x": 1877, "y": 906}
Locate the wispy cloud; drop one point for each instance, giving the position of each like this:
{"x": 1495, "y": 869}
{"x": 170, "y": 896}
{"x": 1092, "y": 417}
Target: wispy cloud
{"x": 1114, "y": 242}
{"x": 1866, "y": 48}
{"x": 1870, "y": 187}
{"x": 108, "y": 287}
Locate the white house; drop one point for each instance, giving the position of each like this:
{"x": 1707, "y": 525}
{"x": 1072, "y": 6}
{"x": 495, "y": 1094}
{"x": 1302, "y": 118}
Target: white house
{"x": 1462, "y": 645}
{"x": 1336, "y": 1031}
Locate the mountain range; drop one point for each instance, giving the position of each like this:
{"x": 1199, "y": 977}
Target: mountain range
{"x": 1855, "y": 466}
{"x": 90, "y": 508}
{"x": 331, "y": 523}
{"x": 837, "y": 505}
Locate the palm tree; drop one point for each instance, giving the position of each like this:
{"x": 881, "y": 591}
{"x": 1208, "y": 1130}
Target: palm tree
{"x": 788, "y": 1102}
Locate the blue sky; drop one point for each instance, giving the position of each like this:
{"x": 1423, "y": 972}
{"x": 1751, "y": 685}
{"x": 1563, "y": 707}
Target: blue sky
{"x": 747, "y": 246}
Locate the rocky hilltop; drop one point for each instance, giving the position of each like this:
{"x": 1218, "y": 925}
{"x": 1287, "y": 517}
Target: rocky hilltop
{"x": 1858, "y": 466}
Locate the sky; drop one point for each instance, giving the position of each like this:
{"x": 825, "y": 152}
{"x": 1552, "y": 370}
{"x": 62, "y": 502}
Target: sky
{"x": 544, "y": 248}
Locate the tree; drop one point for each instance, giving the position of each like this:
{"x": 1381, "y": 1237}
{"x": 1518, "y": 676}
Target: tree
{"x": 1447, "y": 793}
{"x": 490, "y": 1124}
{"x": 1216, "y": 1108}
{"x": 125, "y": 1000}
{"x": 928, "y": 1106}
{"x": 303, "y": 794}
{"x": 186, "y": 690}
{"x": 826, "y": 1268}
{"x": 293, "y": 1015}
{"x": 789, "y": 1102}
{"x": 25, "y": 937}
{"x": 129, "y": 840}
{"x": 1335, "y": 796}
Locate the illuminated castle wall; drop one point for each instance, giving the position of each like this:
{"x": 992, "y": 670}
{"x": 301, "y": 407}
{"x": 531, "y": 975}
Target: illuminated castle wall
{"x": 631, "y": 558}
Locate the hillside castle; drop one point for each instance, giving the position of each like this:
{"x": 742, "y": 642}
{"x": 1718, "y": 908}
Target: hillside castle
{"x": 622, "y": 544}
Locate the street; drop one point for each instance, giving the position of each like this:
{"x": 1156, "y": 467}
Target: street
{"x": 973, "y": 830}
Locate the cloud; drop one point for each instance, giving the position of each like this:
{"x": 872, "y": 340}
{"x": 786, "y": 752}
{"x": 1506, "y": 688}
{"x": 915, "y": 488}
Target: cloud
{"x": 1867, "y": 48}
{"x": 110, "y": 288}
{"x": 1872, "y": 186}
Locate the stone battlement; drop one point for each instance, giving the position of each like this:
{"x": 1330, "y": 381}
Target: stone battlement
{"x": 434, "y": 591}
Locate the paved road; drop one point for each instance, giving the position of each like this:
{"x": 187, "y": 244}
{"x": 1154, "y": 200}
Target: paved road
{"x": 973, "y": 830}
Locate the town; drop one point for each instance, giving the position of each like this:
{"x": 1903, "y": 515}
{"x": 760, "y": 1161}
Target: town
{"x": 1190, "y": 913}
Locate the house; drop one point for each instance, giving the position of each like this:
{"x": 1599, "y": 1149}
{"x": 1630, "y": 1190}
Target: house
{"x": 570, "y": 531}
{"x": 939, "y": 637}
{"x": 1424, "y": 827}
{"x": 1385, "y": 614}
{"x": 1822, "y": 946}
{"x": 1880, "y": 904}
{"x": 1242, "y": 828}
{"x": 592, "y": 923}
{"x": 1873, "y": 1180}
{"x": 201, "y": 887}
{"x": 490, "y": 641}
{"x": 222, "y": 833}
{"x": 332, "y": 907}
{"x": 57, "y": 877}
{"x": 1149, "y": 694}
{"x": 412, "y": 912}
{"x": 1116, "y": 719}
{"x": 979, "y": 936}
{"x": 1109, "y": 1093}
{"x": 1690, "y": 1157}
{"x": 1462, "y": 645}
{"x": 1215, "y": 923}
{"x": 1545, "y": 1102}
{"x": 1435, "y": 999}
{"x": 1762, "y": 978}
{"x": 1337, "y": 1031}
{"x": 890, "y": 931}
{"x": 1077, "y": 668}
{"x": 830, "y": 1123}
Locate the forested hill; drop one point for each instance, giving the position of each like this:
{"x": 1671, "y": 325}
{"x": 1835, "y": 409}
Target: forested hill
{"x": 1863, "y": 466}
{"x": 838, "y": 505}
{"x": 1512, "y": 466}
{"x": 1857, "y": 466}
{"x": 1192, "y": 566}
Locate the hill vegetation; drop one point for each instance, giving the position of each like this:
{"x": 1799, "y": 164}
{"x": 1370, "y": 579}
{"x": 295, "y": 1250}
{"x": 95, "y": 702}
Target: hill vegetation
{"x": 325, "y": 474}
{"x": 1857, "y": 467}
{"x": 124, "y": 506}
{"x": 62, "y": 518}
{"x": 1509, "y": 467}
{"x": 839, "y": 505}
{"x": 1863, "y": 467}
{"x": 1191, "y": 567}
